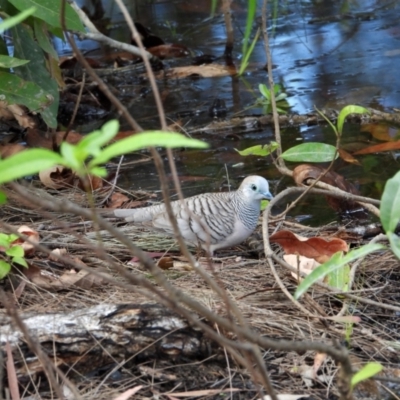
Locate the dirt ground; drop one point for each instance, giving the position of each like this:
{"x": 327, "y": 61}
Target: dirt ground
{"x": 246, "y": 279}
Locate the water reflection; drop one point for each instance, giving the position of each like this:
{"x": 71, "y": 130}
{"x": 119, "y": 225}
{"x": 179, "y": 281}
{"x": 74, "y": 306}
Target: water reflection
{"x": 327, "y": 54}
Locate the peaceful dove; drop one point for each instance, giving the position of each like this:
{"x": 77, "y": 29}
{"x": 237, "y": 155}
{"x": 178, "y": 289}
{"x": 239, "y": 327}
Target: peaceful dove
{"x": 213, "y": 220}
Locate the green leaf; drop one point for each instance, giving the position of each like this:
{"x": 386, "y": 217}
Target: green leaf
{"x": 246, "y": 55}
{"x": 11, "y": 62}
{"x": 394, "y": 241}
{"x": 3, "y": 198}
{"x": 310, "y": 152}
{"x": 264, "y": 91}
{"x": 95, "y": 140}
{"x": 15, "y": 90}
{"x": 20, "y": 261}
{"x": 390, "y": 209}
{"x": 339, "y": 278}
{"x": 5, "y": 269}
{"x": 251, "y": 12}
{"x": 144, "y": 140}
{"x": 4, "y": 241}
{"x": 36, "y": 71}
{"x": 41, "y": 34}
{"x": 15, "y": 251}
{"x": 73, "y": 157}
{"x": 49, "y": 11}
{"x": 345, "y": 112}
{"x": 259, "y": 150}
{"x": 12, "y": 21}
{"x": 337, "y": 261}
{"x": 367, "y": 371}
{"x": 26, "y": 163}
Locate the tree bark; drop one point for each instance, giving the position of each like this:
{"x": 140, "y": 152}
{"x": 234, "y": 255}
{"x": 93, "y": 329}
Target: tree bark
{"x": 91, "y": 338}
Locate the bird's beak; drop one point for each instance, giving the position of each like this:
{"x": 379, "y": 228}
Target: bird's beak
{"x": 268, "y": 195}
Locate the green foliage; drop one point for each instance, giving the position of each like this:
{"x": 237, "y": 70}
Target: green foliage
{"x": 367, "y": 371}
{"x": 14, "y": 254}
{"x": 310, "y": 152}
{"x": 15, "y": 90}
{"x": 265, "y": 101}
{"x": 344, "y": 113}
{"x": 247, "y": 53}
{"x": 390, "y": 212}
{"x": 87, "y": 156}
{"x": 12, "y": 21}
{"x": 251, "y": 13}
{"x": 32, "y": 82}
{"x": 49, "y": 11}
{"x": 259, "y": 150}
{"x": 36, "y": 71}
{"x": 337, "y": 261}
{"x": 27, "y": 163}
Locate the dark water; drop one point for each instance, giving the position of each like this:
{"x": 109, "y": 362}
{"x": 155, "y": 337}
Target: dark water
{"x": 325, "y": 54}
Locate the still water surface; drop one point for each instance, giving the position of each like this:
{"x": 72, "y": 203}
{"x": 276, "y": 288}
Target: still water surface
{"x": 325, "y": 54}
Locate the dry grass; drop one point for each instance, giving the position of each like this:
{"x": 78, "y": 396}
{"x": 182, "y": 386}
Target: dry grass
{"x": 246, "y": 280}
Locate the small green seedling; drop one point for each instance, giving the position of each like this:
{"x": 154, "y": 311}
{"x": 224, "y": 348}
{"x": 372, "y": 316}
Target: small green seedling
{"x": 265, "y": 101}
{"x": 13, "y": 254}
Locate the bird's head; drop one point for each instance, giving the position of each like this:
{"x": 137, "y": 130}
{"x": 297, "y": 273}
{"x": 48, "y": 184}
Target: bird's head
{"x": 255, "y": 188}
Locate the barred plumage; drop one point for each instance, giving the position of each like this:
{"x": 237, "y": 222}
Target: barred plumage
{"x": 213, "y": 220}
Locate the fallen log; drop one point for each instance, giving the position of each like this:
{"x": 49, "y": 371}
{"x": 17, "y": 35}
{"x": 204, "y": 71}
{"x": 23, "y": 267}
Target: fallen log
{"x": 94, "y": 337}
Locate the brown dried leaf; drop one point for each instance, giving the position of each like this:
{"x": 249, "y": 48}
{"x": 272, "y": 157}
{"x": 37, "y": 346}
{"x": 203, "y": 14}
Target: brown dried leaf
{"x": 20, "y": 113}
{"x": 37, "y": 138}
{"x": 317, "y": 248}
{"x": 57, "y": 177}
{"x": 303, "y": 264}
{"x": 378, "y": 148}
{"x": 95, "y": 183}
{"x": 10, "y": 149}
{"x": 203, "y": 71}
{"x": 165, "y": 263}
{"x": 381, "y": 132}
{"x": 303, "y": 172}
{"x": 346, "y": 156}
{"x": 33, "y": 236}
{"x": 116, "y": 200}
{"x": 169, "y": 51}
{"x": 56, "y": 253}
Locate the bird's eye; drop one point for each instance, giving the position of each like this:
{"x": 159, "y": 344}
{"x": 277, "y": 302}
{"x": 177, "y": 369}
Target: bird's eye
{"x": 253, "y": 187}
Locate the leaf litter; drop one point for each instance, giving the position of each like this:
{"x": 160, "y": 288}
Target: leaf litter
{"x": 246, "y": 279}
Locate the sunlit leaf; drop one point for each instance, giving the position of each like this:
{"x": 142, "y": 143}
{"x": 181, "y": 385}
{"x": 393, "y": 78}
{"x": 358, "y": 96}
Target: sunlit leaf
{"x": 310, "y": 152}
{"x": 11, "y": 62}
{"x": 49, "y": 11}
{"x": 339, "y": 278}
{"x": 394, "y": 241}
{"x": 5, "y": 268}
{"x": 264, "y": 91}
{"x": 72, "y": 156}
{"x": 12, "y": 21}
{"x": 367, "y": 371}
{"x": 95, "y": 140}
{"x": 20, "y": 261}
{"x": 259, "y": 150}
{"x": 345, "y": 112}
{"x": 144, "y": 140}
{"x": 337, "y": 261}
{"x": 27, "y": 163}
{"x": 390, "y": 209}
{"x": 15, "y": 251}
